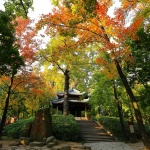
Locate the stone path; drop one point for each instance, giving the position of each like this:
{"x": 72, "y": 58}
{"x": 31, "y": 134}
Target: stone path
{"x": 109, "y": 146}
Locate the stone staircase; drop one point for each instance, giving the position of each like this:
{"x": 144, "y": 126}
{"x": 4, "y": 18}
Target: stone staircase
{"x": 92, "y": 132}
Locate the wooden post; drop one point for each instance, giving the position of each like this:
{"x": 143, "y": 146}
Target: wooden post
{"x": 133, "y": 138}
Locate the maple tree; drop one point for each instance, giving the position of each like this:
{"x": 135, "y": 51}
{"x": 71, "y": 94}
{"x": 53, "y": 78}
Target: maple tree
{"x": 26, "y": 38}
{"x": 18, "y": 46}
{"x": 74, "y": 20}
{"x": 30, "y": 90}
{"x": 29, "y": 44}
{"x": 15, "y": 41}
{"x": 27, "y": 93}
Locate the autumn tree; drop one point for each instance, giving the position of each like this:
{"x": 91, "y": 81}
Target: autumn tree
{"x": 29, "y": 93}
{"x": 31, "y": 82}
{"x": 55, "y": 56}
{"x": 25, "y": 39}
{"x": 65, "y": 54}
{"x": 17, "y": 38}
{"x": 97, "y": 26}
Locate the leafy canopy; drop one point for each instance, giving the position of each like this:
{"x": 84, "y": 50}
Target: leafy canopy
{"x": 10, "y": 59}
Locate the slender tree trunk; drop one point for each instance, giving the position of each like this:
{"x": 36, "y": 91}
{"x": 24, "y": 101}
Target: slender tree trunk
{"x": 66, "y": 98}
{"x": 135, "y": 106}
{"x": 119, "y": 107}
{"x": 132, "y": 98}
{"x": 6, "y": 106}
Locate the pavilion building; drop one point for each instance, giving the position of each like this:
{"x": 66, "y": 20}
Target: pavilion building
{"x": 78, "y": 102}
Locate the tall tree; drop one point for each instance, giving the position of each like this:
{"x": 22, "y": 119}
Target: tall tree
{"x": 75, "y": 18}
{"x": 10, "y": 59}
{"x": 140, "y": 69}
{"x": 65, "y": 54}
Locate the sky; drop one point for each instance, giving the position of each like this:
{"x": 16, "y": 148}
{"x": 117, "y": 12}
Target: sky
{"x": 40, "y": 7}
{"x": 1, "y": 5}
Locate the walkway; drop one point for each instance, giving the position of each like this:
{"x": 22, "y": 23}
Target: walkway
{"x": 99, "y": 139}
{"x": 109, "y": 146}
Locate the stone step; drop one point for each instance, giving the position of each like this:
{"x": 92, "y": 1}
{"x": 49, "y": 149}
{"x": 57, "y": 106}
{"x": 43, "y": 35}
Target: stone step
{"x": 92, "y": 132}
{"x": 97, "y": 133}
{"x": 97, "y": 136}
{"x": 98, "y": 140}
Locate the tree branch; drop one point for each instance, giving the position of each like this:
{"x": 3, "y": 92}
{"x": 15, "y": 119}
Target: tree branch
{"x": 26, "y": 13}
{"x": 17, "y": 85}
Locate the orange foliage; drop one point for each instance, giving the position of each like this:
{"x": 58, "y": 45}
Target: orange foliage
{"x": 135, "y": 26}
{"x": 100, "y": 60}
{"x": 26, "y": 35}
{"x": 110, "y": 32}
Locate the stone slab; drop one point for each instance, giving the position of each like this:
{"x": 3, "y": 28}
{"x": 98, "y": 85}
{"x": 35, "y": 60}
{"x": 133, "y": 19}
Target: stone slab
{"x": 109, "y": 146}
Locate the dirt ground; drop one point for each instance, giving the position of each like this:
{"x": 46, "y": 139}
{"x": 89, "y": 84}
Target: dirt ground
{"x": 134, "y": 146}
{"x": 6, "y": 143}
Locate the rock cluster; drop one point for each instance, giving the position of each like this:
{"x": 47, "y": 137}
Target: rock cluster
{"x": 50, "y": 143}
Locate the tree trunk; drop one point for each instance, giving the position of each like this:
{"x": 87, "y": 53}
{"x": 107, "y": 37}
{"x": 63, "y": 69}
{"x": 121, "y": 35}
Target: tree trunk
{"x": 135, "y": 106}
{"x": 66, "y": 98}
{"x": 119, "y": 107}
{"x": 132, "y": 98}
{"x": 6, "y": 106}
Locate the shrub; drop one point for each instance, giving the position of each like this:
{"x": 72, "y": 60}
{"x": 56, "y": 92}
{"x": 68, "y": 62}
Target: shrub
{"x": 112, "y": 124}
{"x": 63, "y": 128}
{"x": 66, "y": 128}
{"x": 16, "y": 129}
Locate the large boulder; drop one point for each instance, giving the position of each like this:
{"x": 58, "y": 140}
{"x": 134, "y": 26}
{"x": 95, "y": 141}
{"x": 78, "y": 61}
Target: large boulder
{"x": 42, "y": 125}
